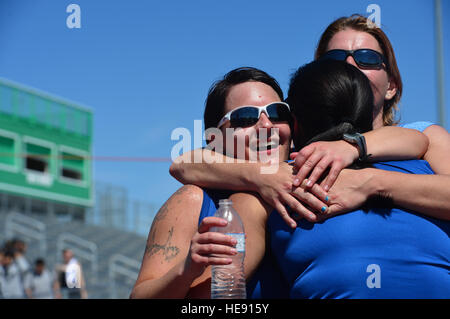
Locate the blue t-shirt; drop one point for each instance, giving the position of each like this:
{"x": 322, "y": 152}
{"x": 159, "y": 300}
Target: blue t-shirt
{"x": 266, "y": 282}
{"x": 420, "y": 126}
{"x": 380, "y": 253}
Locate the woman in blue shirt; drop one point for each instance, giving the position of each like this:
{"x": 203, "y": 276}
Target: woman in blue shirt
{"x": 377, "y": 251}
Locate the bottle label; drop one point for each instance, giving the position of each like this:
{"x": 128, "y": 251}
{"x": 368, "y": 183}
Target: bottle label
{"x": 240, "y": 238}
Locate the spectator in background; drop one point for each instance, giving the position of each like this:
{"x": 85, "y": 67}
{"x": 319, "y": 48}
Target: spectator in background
{"x": 1, "y": 266}
{"x": 70, "y": 277}
{"x": 20, "y": 248}
{"x": 11, "y": 283}
{"x": 41, "y": 283}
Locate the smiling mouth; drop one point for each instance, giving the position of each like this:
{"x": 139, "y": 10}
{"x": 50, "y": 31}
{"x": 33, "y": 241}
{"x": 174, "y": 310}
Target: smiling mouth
{"x": 265, "y": 146}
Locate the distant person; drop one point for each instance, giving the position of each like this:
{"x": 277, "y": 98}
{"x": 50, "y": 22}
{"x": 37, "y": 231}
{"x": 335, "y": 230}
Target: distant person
{"x": 70, "y": 277}
{"x": 41, "y": 283}
{"x": 1, "y": 265}
{"x": 11, "y": 284}
{"x": 20, "y": 248}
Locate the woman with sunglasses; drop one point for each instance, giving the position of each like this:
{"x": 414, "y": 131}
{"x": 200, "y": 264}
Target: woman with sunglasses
{"x": 359, "y": 42}
{"x": 177, "y": 256}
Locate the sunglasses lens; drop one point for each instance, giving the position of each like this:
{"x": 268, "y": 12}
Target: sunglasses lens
{"x": 244, "y": 117}
{"x": 339, "y": 55}
{"x": 363, "y": 57}
{"x": 278, "y": 113}
{"x": 368, "y": 58}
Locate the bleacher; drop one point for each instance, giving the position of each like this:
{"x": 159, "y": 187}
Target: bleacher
{"x": 110, "y": 258}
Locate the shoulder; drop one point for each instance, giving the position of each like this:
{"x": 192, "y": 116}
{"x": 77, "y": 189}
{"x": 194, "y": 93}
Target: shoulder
{"x": 185, "y": 202}
{"x": 436, "y": 131}
{"x": 439, "y": 148}
{"x": 188, "y": 192}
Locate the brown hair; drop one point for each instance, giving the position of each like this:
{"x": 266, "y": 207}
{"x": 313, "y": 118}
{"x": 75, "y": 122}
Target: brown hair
{"x": 360, "y": 23}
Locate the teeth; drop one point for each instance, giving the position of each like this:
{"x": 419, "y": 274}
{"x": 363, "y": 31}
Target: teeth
{"x": 266, "y": 146}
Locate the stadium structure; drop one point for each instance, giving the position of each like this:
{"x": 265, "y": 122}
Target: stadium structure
{"x": 47, "y": 190}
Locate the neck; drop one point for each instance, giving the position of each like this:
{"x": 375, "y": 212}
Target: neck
{"x": 378, "y": 121}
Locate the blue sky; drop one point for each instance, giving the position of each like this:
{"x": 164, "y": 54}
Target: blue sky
{"x": 144, "y": 67}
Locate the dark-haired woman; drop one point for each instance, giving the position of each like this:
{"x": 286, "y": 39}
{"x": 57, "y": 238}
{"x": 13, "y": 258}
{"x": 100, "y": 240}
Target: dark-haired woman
{"x": 378, "y": 251}
{"x": 177, "y": 257}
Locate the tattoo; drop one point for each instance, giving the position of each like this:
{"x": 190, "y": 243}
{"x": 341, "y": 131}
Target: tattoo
{"x": 162, "y": 213}
{"x": 168, "y": 251}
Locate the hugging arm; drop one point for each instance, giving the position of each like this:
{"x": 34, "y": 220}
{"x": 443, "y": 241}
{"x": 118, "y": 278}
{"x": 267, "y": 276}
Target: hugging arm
{"x": 277, "y": 189}
{"x": 385, "y": 143}
{"x": 425, "y": 194}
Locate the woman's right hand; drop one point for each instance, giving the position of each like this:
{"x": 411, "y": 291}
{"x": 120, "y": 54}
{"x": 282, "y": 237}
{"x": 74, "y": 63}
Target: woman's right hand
{"x": 205, "y": 244}
{"x": 277, "y": 191}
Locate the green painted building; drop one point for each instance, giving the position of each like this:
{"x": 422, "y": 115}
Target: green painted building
{"x": 45, "y": 153}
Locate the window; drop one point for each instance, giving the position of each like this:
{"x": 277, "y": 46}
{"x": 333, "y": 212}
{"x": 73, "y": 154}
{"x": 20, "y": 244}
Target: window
{"x": 7, "y": 146}
{"x": 37, "y": 158}
{"x": 72, "y": 166}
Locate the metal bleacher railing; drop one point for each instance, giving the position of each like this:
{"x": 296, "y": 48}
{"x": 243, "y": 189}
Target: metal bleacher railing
{"x": 110, "y": 267}
{"x": 120, "y": 265}
{"x": 26, "y": 227}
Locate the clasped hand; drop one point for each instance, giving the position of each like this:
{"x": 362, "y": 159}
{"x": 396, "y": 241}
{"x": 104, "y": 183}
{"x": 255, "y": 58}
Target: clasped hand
{"x": 315, "y": 186}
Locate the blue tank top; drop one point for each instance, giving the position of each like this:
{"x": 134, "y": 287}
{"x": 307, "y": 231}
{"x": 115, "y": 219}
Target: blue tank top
{"x": 380, "y": 253}
{"x": 266, "y": 282}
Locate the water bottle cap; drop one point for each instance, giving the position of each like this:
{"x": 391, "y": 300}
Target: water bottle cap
{"x": 223, "y": 202}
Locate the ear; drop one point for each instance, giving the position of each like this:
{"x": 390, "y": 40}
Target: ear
{"x": 391, "y": 90}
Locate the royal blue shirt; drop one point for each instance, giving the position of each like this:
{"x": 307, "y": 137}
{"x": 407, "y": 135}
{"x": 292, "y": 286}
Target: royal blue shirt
{"x": 266, "y": 282}
{"x": 379, "y": 253}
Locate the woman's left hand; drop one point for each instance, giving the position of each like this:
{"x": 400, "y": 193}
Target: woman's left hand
{"x": 351, "y": 191}
{"x": 315, "y": 158}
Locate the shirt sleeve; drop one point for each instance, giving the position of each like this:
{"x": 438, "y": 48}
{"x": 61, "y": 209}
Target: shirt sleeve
{"x": 419, "y": 126}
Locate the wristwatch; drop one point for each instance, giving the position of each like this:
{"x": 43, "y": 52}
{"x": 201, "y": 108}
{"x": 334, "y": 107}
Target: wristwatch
{"x": 360, "y": 142}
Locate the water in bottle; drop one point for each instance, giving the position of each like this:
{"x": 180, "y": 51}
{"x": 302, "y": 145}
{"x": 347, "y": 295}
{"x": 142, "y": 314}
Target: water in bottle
{"x": 228, "y": 281}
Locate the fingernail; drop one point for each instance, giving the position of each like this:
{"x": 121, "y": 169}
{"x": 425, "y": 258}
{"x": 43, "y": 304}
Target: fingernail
{"x": 327, "y": 199}
{"x": 233, "y": 251}
{"x": 323, "y": 209}
{"x": 296, "y": 182}
{"x": 326, "y": 188}
{"x": 309, "y": 183}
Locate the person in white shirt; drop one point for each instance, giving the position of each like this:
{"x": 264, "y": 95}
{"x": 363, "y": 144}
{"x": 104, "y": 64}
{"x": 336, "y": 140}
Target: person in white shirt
{"x": 70, "y": 276}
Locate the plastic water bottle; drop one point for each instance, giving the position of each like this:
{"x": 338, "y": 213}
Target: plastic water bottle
{"x": 228, "y": 281}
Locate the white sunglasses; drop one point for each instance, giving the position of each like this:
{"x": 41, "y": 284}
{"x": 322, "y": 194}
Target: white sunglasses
{"x": 245, "y": 116}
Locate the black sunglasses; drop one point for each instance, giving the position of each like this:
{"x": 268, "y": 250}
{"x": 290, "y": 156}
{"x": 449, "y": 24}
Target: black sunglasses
{"x": 245, "y": 116}
{"x": 364, "y": 58}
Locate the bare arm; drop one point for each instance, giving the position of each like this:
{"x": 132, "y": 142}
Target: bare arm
{"x": 386, "y": 143}
{"x": 276, "y": 189}
{"x": 162, "y": 270}
{"x": 177, "y": 249}
{"x": 425, "y": 194}
{"x": 224, "y": 173}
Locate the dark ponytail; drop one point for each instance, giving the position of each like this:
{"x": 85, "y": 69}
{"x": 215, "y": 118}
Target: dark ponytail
{"x": 330, "y": 98}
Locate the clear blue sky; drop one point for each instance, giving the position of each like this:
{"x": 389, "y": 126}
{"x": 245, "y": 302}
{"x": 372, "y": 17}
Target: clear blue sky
{"x": 144, "y": 66}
